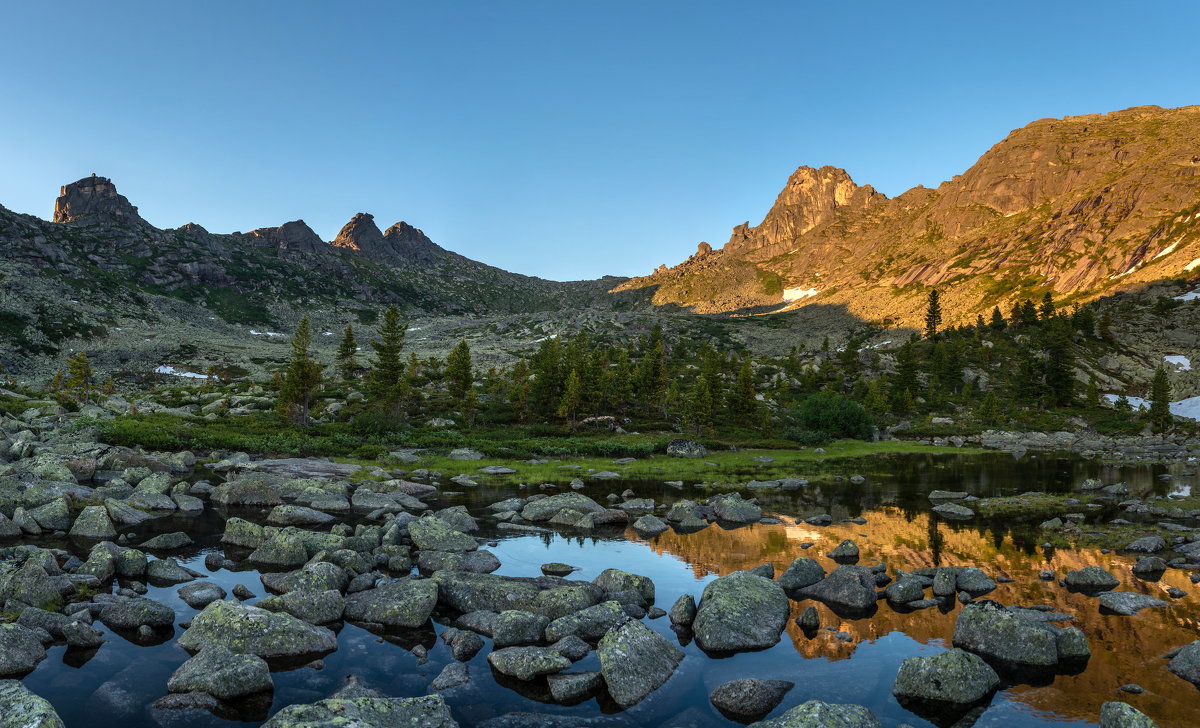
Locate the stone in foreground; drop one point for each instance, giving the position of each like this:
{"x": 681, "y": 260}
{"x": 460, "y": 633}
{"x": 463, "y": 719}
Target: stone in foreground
{"x": 635, "y": 661}
{"x": 526, "y": 663}
{"x": 20, "y": 708}
{"x": 222, "y": 674}
{"x": 245, "y": 629}
{"x": 816, "y": 714}
{"x": 749, "y": 699}
{"x": 1123, "y": 715}
{"x": 955, "y": 677}
{"x": 1186, "y": 664}
{"x": 740, "y": 611}
{"x": 429, "y": 711}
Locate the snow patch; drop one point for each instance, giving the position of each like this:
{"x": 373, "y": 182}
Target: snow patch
{"x": 263, "y": 333}
{"x": 795, "y": 294}
{"x": 1181, "y": 362}
{"x": 545, "y": 338}
{"x": 164, "y": 369}
{"x": 1189, "y": 296}
{"x": 1169, "y": 249}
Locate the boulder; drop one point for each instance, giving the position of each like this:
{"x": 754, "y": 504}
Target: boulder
{"x": 1127, "y": 604}
{"x": 20, "y": 650}
{"x": 1090, "y": 579}
{"x": 749, "y": 699}
{"x": 20, "y": 708}
{"x": 434, "y": 534}
{"x": 1123, "y": 715}
{"x": 526, "y": 663}
{"x": 683, "y": 611}
{"x": 589, "y": 624}
{"x": 954, "y": 677}
{"x": 635, "y": 661}
{"x": 800, "y": 573}
{"x": 686, "y": 449}
{"x": 201, "y": 594}
{"x": 246, "y": 629}
{"x": 401, "y": 603}
{"x": 130, "y": 614}
{"x": 733, "y": 508}
{"x": 991, "y": 630}
{"x": 1186, "y": 663}
{"x": 850, "y": 588}
{"x": 543, "y": 509}
{"x": 466, "y": 592}
{"x": 816, "y": 714}
{"x": 93, "y": 523}
{"x": 738, "y": 612}
{"x": 222, "y": 674}
{"x": 429, "y": 711}
{"x": 615, "y": 580}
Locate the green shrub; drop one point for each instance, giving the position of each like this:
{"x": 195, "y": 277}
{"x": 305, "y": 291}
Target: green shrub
{"x": 831, "y": 416}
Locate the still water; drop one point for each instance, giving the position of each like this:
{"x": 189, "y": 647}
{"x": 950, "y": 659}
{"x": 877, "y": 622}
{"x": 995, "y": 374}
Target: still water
{"x": 115, "y": 685}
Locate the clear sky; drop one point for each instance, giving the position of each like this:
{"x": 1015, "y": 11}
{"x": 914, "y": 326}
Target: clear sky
{"x": 560, "y": 138}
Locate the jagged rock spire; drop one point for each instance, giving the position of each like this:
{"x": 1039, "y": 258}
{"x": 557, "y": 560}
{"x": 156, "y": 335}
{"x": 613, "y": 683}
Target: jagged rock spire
{"x": 94, "y": 200}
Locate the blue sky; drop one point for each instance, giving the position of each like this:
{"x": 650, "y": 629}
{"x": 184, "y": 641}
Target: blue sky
{"x": 561, "y": 139}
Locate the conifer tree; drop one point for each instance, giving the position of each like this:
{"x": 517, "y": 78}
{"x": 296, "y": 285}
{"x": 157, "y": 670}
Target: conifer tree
{"x": 1160, "y": 399}
{"x": 459, "y": 375}
{"x": 933, "y": 313}
{"x": 876, "y": 398}
{"x": 80, "y": 377}
{"x": 742, "y": 401}
{"x": 572, "y": 398}
{"x": 347, "y": 354}
{"x": 1060, "y": 363}
{"x": 387, "y": 369}
{"x": 997, "y": 323}
{"x": 652, "y": 375}
{"x": 989, "y": 408}
{"x": 1093, "y": 391}
{"x": 698, "y": 406}
{"x": 1047, "y": 309}
{"x": 301, "y": 379}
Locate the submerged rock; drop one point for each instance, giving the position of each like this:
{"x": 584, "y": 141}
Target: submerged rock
{"x": 816, "y": 714}
{"x": 429, "y": 711}
{"x": 740, "y": 611}
{"x": 750, "y": 698}
{"x": 1128, "y": 604}
{"x": 20, "y": 708}
{"x": 635, "y": 661}
{"x": 955, "y": 677}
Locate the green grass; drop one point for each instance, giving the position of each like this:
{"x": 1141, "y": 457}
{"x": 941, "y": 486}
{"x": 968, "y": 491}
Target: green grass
{"x": 717, "y": 465}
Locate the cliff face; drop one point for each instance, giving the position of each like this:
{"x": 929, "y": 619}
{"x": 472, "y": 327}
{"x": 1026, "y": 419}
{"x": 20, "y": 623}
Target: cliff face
{"x": 94, "y": 200}
{"x": 1077, "y": 206}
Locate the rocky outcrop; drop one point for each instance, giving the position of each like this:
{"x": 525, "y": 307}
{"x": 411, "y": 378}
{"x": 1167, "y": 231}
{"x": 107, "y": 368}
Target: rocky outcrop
{"x": 363, "y": 236}
{"x": 94, "y": 200}
{"x": 294, "y": 236}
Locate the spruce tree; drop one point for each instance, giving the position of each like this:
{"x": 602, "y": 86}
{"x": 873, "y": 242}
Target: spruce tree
{"x": 301, "y": 379}
{"x": 1047, "y": 309}
{"x": 698, "y": 406}
{"x": 1060, "y": 363}
{"x": 347, "y": 354}
{"x": 652, "y": 376}
{"x": 742, "y": 401}
{"x": 989, "y": 408}
{"x": 387, "y": 369}
{"x": 933, "y": 313}
{"x": 1093, "y": 391}
{"x": 876, "y": 399}
{"x": 572, "y": 398}
{"x": 80, "y": 377}
{"x": 459, "y": 375}
{"x": 997, "y": 323}
{"x": 1160, "y": 399}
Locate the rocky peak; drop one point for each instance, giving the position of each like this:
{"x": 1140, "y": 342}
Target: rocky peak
{"x": 812, "y": 198}
{"x": 361, "y": 235}
{"x": 411, "y": 243}
{"x": 96, "y": 200}
{"x": 295, "y": 236}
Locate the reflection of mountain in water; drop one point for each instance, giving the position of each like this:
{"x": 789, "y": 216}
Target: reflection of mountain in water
{"x": 1124, "y": 649}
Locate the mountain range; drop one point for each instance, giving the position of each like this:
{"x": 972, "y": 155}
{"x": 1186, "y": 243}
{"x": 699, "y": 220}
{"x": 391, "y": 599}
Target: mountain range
{"x": 1083, "y": 207}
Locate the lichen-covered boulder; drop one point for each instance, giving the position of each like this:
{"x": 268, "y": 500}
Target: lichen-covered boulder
{"x": 543, "y": 509}
{"x": 401, "y": 603}
{"x": 816, "y": 714}
{"x": 129, "y": 614}
{"x": 615, "y": 580}
{"x": 733, "y": 508}
{"x": 434, "y": 534}
{"x": 1123, "y": 715}
{"x": 800, "y": 573}
{"x": 750, "y": 698}
{"x": 429, "y": 711}
{"x": 589, "y": 624}
{"x": 553, "y": 597}
{"x": 222, "y": 674}
{"x": 1008, "y": 636}
{"x": 740, "y": 611}
{"x": 20, "y": 650}
{"x": 847, "y": 587}
{"x": 1186, "y": 663}
{"x": 635, "y": 661}
{"x": 20, "y": 708}
{"x": 242, "y": 628}
{"x": 955, "y": 677}
{"x": 1090, "y": 578}
{"x": 526, "y": 663}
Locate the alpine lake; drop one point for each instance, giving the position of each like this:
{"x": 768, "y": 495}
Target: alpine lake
{"x": 849, "y": 658}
